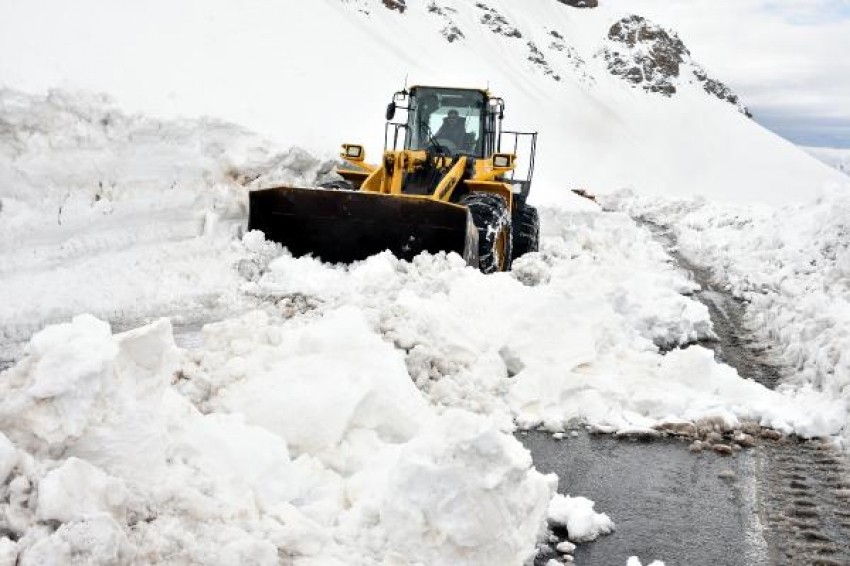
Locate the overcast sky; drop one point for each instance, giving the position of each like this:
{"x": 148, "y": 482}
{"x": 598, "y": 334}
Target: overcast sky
{"x": 789, "y": 60}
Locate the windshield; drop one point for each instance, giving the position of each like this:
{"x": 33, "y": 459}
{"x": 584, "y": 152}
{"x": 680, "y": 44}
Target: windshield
{"x": 445, "y": 120}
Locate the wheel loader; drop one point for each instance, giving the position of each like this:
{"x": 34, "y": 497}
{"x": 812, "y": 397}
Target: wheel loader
{"x": 453, "y": 186}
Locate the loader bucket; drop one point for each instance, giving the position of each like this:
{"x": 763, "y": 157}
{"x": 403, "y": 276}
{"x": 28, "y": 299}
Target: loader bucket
{"x": 345, "y": 226}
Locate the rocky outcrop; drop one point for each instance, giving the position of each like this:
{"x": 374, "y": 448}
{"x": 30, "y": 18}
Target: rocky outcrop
{"x": 536, "y": 57}
{"x": 451, "y": 32}
{"x": 397, "y": 5}
{"x": 645, "y": 54}
{"x": 497, "y": 22}
{"x": 655, "y": 59}
{"x": 719, "y": 89}
{"x": 580, "y": 3}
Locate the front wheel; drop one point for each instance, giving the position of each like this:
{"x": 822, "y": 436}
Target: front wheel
{"x": 493, "y": 221}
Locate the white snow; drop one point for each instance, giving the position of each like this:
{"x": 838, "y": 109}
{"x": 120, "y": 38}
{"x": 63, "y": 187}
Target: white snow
{"x": 336, "y": 414}
{"x": 791, "y": 265}
{"x": 364, "y": 414}
{"x": 837, "y": 157}
{"x": 150, "y": 476}
{"x": 76, "y": 491}
{"x": 578, "y": 516}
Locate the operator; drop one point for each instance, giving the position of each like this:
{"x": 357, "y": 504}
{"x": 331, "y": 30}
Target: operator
{"x": 453, "y": 129}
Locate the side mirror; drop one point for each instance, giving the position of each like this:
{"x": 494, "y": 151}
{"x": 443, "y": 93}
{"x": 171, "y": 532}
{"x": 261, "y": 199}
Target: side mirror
{"x": 352, "y": 152}
{"x": 390, "y": 110}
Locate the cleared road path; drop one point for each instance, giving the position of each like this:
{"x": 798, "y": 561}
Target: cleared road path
{"x": 782, "y": 502}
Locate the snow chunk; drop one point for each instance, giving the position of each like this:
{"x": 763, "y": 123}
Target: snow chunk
{"x": 8, "y": 458}
{"x": 83, "y": 392}
{"x": 312, "y": 399}
{"x": 77, "y": 490}
{"x": 52, "y": 393}
{"x": 8, "y": 552}
{"x": 98, "y": 540}
{"x": 583, "y": 524}
{"x": 464, "y": 492}
{"x": 635, "y": 561}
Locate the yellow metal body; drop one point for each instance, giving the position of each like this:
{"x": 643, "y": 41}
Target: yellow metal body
{"x": 388, "y": 177}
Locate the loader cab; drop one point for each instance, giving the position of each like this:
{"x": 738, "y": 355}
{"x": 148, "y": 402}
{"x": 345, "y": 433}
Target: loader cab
{"x": 450, "y": 121}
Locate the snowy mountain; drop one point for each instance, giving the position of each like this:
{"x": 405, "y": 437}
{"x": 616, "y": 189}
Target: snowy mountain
{"x": 316, "y": 74}
{"x": 286, "y": 411}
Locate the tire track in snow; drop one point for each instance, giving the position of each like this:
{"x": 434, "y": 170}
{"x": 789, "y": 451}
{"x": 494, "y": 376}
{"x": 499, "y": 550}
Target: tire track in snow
{"x": 803, "y": 487}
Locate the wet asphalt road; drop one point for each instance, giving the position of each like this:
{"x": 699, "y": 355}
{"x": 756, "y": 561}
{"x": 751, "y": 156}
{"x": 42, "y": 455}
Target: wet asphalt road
{"x": 667, "y": 503}
{"x": 783, "y": 502}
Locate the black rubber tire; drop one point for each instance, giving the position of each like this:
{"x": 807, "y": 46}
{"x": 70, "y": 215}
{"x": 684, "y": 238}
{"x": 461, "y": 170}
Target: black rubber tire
{"x": 491, "y": 217}
{"x": 526, "y": 231}
{"x": 339, "y": 185}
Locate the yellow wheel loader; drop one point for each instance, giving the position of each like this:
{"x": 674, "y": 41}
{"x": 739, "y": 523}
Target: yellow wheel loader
{"x": 450, "y": 187}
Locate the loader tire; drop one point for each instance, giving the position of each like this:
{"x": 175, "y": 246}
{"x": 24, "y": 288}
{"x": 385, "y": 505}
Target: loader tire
{"x": 526, "y": 231}
{"x": 491, "y": 217}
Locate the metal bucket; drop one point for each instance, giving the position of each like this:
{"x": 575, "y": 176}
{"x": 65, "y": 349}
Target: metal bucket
{"x": 346, "y": 226}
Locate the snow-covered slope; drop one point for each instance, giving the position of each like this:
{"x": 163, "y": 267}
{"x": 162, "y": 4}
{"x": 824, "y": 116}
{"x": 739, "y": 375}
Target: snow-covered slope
{"x": 319, "y": 73}
{"x": 836, "y": 157}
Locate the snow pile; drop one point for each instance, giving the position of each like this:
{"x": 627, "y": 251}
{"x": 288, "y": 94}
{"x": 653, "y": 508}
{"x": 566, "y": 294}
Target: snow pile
{"x": 575, "y": 332}
{"x": 108, "y": 203}
{"x": 104, "y": 461}
{"x": 576, "y": 514}
{"x": 790, "y": 265}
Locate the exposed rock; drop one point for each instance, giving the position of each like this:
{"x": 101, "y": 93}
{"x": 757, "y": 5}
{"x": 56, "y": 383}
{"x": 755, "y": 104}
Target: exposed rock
{"x": 745, "y": 440}
{"x": 645, "y": 54}
{"x": 536, "y": 57}
{"x": 451, "y": 32}
{"x": 771, "y": 434}
{"x": 497, "y": 22}
{"x": 655, "y": 59}
{"x": 720, "y": 90}
{"x": 580, "y": 3}
{"x": 723, "y": 449}
{"x": 397, "y": 5}
{"x": 678, "y": 429}
{"x": 714, "y": 437}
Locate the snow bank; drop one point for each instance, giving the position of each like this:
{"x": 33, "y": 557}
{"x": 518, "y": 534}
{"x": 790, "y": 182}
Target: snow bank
{"x": 790, "y": 265}
{"x": 104, "y": 461}
{"x": 575, "y": 332}
{"x": 107, "y": 203}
